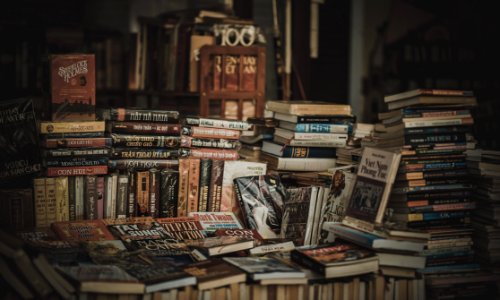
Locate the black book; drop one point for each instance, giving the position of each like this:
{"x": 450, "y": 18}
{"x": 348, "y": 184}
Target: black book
{"x": 169, "y": 188}
{"x": 19, "y": 154}
{"x": 205, "y": 173}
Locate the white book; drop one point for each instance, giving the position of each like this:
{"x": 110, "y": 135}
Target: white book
{"x": 288, "y": 134}
{"x": 310, "y": 216}
{"x": 299, "y": 164}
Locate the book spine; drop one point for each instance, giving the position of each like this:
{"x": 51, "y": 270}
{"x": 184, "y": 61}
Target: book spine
{"x": 306, "y": 261}
{"x": 183, "y": 187}
{"x": 131, "y": 197}
{"x": 76, "y": 162}
{"x": 437, "y": 216}
{"x": 317, "y": 143}
{"x": 136, "y": 164}
{"x": 57, "y": 153}
{"x": 40, "y": 202}
{"x": 433, "y": 166}
{"x": 210, "y": 153}
{"x": 205, "y": 171}
{"x": 216, "y": 123}
{"x": 188, "y": 142}
{"x": 143, "y": 128}
{"x": 114, "y": 196}
{"x": 142, "y": 194}
{"x": 62, "y": 198}
{"x": 72, "y": 199}
{"x": 424, "y": 139}
{"x": 154, "y": 192}
{"x": 77, "y": 143}
{"x": 210, "y": 133}
{"x": 442, "y": 207}
{"x": 323, "y": 128}
{"x": 108, "y": 195}
{"x": 193, "y": 185}
{"x": 144, "y": 141}
{"x": 75, "y": 171}
{"x": 74, "y": 135}
{"x": 71, "y": 127}
{"x": 126, "y": 114}
{"x": 439, "y": 222}
{"x": 90, "y": 197}
{"x": 217, "y": 71}
{"x": 320, "y": 136}
{"x": 308, "y": 152}
{"x": 169, "y": 192}
{"x": 50, "y": 196}
{"x": 437, "y": 130}
{"x": 439, "y": 122}
{"x": 130, "y": 153}
{"x": 425, "y": 203}
{"x": 122, "y": 196}
{"x": 215, "y": 185}
{"x": 325, "y": 119}
{"x": 79, "y": 197}
{"x": 101, "y": 193}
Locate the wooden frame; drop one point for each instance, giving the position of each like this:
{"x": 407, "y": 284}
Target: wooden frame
{"x": 209, "y": 94}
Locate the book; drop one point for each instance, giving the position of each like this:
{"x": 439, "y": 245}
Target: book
{"x": 182, "y": 228}
{"x": 337, "y": 143}
{"x": 339, "y": 259}
{"x": 432, "y": 100}
{"x": 204, "y": 193}
{"x": 401, "y": 260}
{"x": 297, "y": 152}
{"x": 161, "y": 277}
{"x": 85, "y": 230}
{"x": 135, "y": 127}
{"x": 298, "y": 164}
{"x": 132, "y": 153}
{"x": 214, "y": 273}
{"x": 169, "y": 188}
{"x": 144, "y": 141}
{"x": 210, "y": 133}
{"x": 219, "y": 245}
{"x": 193, "y": 142}
{"x": 262, "y": 200}
{"x": 20, "y": 155}
{"x": 77, "y": 170}
{"x": 209, "y": 153}
{"x": 84, "y": 152}
{"x": 262, "y": 268}
{"x": 316, "y": 119}
{"x": 17, "y": 209}
{"x": 303, "y": 108}
{"x": 372, "y": 241}
{"x": 63, "y": 288}
{"x": 428, "y": 92}
{"x": 105, "y": 279}
{"x": 141, "y": 164}
{"x": 293, "y": 135}
{"x": 141, "y": 115}
{"x": 73, "y": 87}
{"x": 136, "y": 228}
{"x": 71, "y": 127}
{"x": 218, "y": 123}
{"x": 334, "y": 127}
{"x": 337, "y": 199}
{"x": 212, "y": 221}
{"x": 375, "y": 177}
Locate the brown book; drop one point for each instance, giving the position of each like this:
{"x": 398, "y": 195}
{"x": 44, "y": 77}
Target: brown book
{"x": 211, "y": 274}
{"x": 50, "y": 197}
{"x": 217, "y": 73}
{"x": 249, "y": 73}
{"x": 40, "y": 202}
{"x": 211, "y": 133}
{"x": 305, "y": 108}
{"x": 205, "y": 171}
{"x": 16, "y": 208}
{"x": 73, "y": 87}
{"x": 62, "y": 198}
{"x": 75, "y": 171}
{"x": 231, "y": 73}
{"x": 197, "y": 41}
{"x": 193, "y": 185}
{"x": 215, "y": 185}
{"x": 142, "y": 194}
{"x": 85, "y": 230}
{"x": 183, "y": 187}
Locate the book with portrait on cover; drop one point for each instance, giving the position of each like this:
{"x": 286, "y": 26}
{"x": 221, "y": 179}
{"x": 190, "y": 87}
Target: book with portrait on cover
{"x": 376, "y": 174}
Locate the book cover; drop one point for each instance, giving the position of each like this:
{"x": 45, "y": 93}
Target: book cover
{"x": 85, "y": 152}
{"x": 233, "y": 170}
{"x": 261, "y": 199}
{"x": 210, "y": 133}
{"x": 339, "y": 259}
{"x": 211, "y": 221}
{"x": 142, "y": 115}
{"x": 136, "y": 127}
{"x": 428, "y": 92}
{"x": 169, "y": 189}
{"x": 209, "y": 153}
{"x": 71, "y": 127}
{"x": 86, "y": 230}
{"x": 144, "y": 141}
{"x": 298, "y": 215}
{"x": 136, "y": 228}
{"x": 218, "y": 123}
{"x": 140, "y": 153}
{"x": 219, "y": 245}
{"x": 20, "y": 155}
{"x": 182, "y": 228}
{"x": 163, "y": 251}
{"x": 73, "y": 87}
{"x": 259, "y": 268}
{"x": 16, "y": 209}
{"x": 121, "y": 201}
{"x": 297, "y": 152}
{"x": 50, "y": 197}
{"x": 141, "y": 164}
{"x": 193, "y": 142}
{"x": 375, "y": 177}
{"x": 40, "y": 202}
{"x": 161, "y": 277}
{"x": 336, "y": 202}
{"x": 214, "y": 273}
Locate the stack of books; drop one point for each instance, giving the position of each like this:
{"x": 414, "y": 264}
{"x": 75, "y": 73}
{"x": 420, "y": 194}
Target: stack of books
{"x": 251, "y": 140}
{"x": 484, "y": 165}
{"x": 307, "y": 135}
{"x": 351, "y": 153}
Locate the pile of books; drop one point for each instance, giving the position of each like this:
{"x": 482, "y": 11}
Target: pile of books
{"x": 307, "y": 135}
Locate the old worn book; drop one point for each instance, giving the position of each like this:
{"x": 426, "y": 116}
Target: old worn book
{"x": 218, "y": 245}
{"x": 85, "y": 230}
{"x": 303, "y": 108}
{"x": 339, "y": 259}
{"x": 161, "y": 277}
{"x": 215, "y": 273}
{"x": 375, "y": 177}
{"x": 262, "y": 201}
{"x": 261, "y": 268}
{"x": 20, "y": 154}
{"x": 73, "y": 87}
{"x": 105, "y": 279}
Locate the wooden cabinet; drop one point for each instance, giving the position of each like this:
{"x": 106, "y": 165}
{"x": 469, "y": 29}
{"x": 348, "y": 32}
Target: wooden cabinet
{"x": 232, "y": 82}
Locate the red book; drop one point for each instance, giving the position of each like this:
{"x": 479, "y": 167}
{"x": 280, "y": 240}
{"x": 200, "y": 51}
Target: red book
{"x": 85, "y": 230}
{"x": 75, "y": 171}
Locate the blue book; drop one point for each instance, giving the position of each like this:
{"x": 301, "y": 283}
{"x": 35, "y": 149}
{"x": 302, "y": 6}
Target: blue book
{"x": 370, "y": 240}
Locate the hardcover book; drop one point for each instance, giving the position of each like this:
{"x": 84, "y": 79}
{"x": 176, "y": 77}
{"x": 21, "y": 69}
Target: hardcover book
{"x": 19, "y": 154}
{"x": 262, "y": 201}
{"x": 210, "y": 133}
{"x": 215, "y": 273}
{"x": 143, "y": 128}
{"x": 169, "y": 189}
{"x": 339, "y": 259}
{"x": 218, "y": 245}
{"x": 86, "y": 230}
{"x": 218, "y": 123}
{"x": 142, "y": 115}
{"x": 259, "y": 268}
{"x": 375, "y": 177}
{"x": 73, "y": 87}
